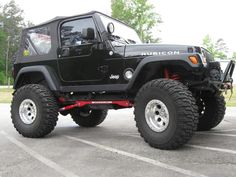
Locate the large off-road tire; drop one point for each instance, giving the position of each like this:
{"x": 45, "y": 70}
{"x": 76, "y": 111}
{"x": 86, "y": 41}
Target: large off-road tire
{"x": 34, "y": 111}
{"x": 166, "y": 114}
{"x": 88, "y": 118}
{"x": 211, "y": 111}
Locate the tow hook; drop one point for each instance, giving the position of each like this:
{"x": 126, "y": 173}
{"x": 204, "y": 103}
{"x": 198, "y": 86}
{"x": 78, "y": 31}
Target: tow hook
{"x": 227, "y": 86}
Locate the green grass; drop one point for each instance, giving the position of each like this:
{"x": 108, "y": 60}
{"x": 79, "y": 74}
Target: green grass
{"x": 6, "y": 96}
{"x": 232, "y": 100}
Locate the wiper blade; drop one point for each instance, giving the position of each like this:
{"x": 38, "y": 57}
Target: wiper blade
{"x": 131, "y": 41}
{"x": 119, "y": 39}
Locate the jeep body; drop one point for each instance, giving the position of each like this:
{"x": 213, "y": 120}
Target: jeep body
{"x": 94, "y": 61}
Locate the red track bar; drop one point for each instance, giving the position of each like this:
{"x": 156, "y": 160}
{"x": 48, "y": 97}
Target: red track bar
{"x": 122, "y": 103}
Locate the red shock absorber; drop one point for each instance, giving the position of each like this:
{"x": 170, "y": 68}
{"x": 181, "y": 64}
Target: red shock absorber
{"x": 169, "y": 75}
{"x": 175, "y": 77}
{"x": 166, "y": 73}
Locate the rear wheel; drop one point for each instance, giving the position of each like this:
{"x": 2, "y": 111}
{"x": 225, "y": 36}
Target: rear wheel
{"x": 166, "y": 113}
{"x": 34, "y": 111}
{"x": 87, "y": 117}
{"x": 211, "y": 110}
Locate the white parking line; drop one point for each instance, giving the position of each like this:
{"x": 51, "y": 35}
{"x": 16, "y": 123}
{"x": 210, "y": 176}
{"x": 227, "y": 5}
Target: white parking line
{"x": 229, "y": 130}
{"x": 212, "y": 148}
{"x": 196, "y": 146}
{"x": 217, "y": 134}
{"x": 132, "y": 135}
{"x": 39, "y": 157}
{"x": 137, "y": 157}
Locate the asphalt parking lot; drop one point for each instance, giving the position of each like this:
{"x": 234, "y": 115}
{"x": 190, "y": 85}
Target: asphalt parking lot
{"x": 114, "y": 149}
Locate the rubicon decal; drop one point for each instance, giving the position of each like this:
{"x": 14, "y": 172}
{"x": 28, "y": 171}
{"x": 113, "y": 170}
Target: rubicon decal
{"x": 175, "y": 52}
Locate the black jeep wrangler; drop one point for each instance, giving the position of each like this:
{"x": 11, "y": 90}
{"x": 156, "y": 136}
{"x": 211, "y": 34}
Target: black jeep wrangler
{"x": 84, "y": 65}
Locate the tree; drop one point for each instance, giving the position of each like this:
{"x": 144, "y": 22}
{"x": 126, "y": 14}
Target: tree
{"x": 2, "y": 56}
{"x": 218, "y": 49}
{"x": 221, "y": 49}
{"x": 234, "y": 56}
{"x": 13, "y": 21}
{"x": 139, "y": 14}
{"x": 11, "y": 16}
{"x": 208, "y": 44}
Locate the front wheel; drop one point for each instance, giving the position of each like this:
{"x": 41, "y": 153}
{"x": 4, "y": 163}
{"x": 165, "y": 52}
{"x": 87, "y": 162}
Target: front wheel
{"x": 166, "y": 113}
{"x": 211, "y": 110}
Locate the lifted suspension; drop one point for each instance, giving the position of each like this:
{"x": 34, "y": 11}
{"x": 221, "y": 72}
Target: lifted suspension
{"x": 169, "y": 75}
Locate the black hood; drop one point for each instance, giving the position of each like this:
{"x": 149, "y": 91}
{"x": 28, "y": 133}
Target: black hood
{"x": 158, "y": 49}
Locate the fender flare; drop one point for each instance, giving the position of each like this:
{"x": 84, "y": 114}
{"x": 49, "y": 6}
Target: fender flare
{"x": 178, "y": 60}
{"x": 46, "y": 71}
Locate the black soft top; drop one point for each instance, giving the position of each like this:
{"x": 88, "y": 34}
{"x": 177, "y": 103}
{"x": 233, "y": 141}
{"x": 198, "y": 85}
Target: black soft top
{"x": 60, "y": 18}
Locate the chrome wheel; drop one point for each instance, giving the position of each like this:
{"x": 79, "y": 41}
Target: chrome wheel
{"x": 157, "y": 115}
{"x": 28, "y": 111}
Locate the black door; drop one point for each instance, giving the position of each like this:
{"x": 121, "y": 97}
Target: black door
{"x": 79, "y": 58}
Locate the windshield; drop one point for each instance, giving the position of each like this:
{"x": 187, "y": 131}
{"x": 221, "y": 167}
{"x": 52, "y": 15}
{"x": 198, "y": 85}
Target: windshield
{"x": 123, "y": 34}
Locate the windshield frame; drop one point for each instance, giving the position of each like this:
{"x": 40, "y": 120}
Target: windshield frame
{"x": 113, "y": 37}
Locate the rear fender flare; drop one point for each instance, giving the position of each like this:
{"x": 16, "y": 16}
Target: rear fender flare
{"x": 46, "y": 71}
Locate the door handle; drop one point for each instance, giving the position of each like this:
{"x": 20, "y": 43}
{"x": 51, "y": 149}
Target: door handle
{"x": 103, "y": 69}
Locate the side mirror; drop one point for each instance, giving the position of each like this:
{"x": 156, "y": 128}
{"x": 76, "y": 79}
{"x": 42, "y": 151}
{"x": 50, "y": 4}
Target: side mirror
{"x": 110, "y": 28}
{"x": 88, "y": 33}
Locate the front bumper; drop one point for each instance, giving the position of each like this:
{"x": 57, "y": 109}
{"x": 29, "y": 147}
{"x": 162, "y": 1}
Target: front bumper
{"x": 223, "y": 83}
{"x": 227, "y": 76}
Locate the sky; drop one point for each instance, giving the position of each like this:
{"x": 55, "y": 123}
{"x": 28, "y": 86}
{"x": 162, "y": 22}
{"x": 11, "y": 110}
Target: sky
{"x": 184, "y": 21}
